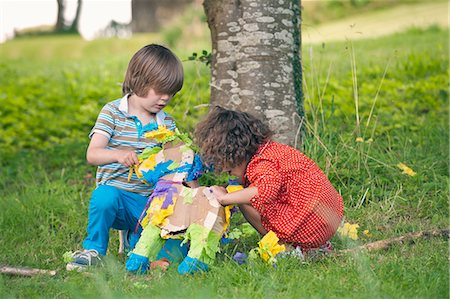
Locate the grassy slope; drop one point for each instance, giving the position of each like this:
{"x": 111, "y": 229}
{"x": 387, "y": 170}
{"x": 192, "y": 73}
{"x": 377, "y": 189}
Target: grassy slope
{"x": 45, "y": 193}
{"x": 371, "y": 21}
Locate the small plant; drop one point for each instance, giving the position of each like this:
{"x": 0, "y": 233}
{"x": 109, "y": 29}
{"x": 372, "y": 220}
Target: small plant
{"x": 205, "y": 57}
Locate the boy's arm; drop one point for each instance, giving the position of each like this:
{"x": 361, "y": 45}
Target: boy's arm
{"x": 238, "y": 197}
{"x": 97, "y": 153}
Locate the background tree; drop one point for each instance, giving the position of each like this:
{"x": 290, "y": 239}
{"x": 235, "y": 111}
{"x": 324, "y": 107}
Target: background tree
{"x": 143, "y": 16}
{"x": 61, "y": 25}
{"x": 150, "y": 15}
{"x": 255, "y": 61}
{"x": 76, "y": 20}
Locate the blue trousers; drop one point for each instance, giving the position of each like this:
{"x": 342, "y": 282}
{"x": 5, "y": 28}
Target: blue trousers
{"x": 111, "y": 207}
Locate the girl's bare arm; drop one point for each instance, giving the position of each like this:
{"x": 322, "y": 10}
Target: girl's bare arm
{"x": 238, "y": 197}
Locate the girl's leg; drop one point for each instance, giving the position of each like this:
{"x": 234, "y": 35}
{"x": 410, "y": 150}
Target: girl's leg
{"x": 253, "y": 217}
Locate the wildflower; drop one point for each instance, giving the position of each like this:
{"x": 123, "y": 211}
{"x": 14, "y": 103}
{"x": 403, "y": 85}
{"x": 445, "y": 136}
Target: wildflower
{"x": 359, "y": 139}
{"x": 367, "y": 234}
{"x": 269, "y": 247}
{"x": 370, "y": 140}
{"x": 349, "y": 230}
{"x": 406, "y": 169}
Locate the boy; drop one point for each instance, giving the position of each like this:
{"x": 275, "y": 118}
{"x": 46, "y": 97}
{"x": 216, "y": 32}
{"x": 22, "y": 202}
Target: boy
{"x": 154, "y": 75}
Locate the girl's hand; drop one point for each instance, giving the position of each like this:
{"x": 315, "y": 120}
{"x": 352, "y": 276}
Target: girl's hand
{"x": 191, "y": 184}
{"x": 219, "y": 192}
{"x": 127, "y": 158}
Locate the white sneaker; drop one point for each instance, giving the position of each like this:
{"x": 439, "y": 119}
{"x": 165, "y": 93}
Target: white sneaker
{"x": 82, "y": 260}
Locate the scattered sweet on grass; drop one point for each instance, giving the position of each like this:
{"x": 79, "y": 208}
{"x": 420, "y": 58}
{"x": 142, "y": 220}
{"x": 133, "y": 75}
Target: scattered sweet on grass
{"x": 349, "y": 230}
{"x": 162, "y": 264}
{"x": 360, "y": 139}
{"x": 240, "y": 258}
{"x": 269, "y": 247}
{"x": 406, "y": 169}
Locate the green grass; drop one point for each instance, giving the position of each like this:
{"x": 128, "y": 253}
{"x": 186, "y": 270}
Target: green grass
{"x": 51, "y": 90}
{"x": 316, "y": 12}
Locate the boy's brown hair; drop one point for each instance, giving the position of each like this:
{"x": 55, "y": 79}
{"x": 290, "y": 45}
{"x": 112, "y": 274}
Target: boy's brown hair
{"x": 228, "y": 138}
{"x": 153, "y": 67}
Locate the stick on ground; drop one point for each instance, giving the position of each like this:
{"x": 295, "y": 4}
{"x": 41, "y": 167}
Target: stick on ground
{"x": 385, "y": 244}
{"x": 25, "y": 271}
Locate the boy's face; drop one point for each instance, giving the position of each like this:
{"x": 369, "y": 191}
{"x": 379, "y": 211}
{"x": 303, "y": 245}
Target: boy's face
{"x": 154, "y": 102}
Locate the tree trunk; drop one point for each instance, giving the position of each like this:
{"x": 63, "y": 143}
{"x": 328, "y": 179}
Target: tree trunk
{"x": 60, "y": 26}
{"x": 151, "y": 15}
{"x": 256, "y": 63}
{"x": 143, "y": 16}
{"x": 76, "y": 20}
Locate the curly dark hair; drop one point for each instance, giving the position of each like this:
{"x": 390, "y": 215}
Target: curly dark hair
{"x": 227, "y": 138}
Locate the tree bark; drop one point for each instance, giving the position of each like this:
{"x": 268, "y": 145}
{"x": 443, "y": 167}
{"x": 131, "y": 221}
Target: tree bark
{"x": 60, "y": 26}
{"x": 143, "y": 16}
{"x": 76, "y": 20}
{"x": 151, "y": 15}
{"x": 256, "y": 65}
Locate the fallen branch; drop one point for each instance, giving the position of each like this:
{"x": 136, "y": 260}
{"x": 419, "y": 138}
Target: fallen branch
{"x": 385, "y": 244}
{"x": 25, "y": 271}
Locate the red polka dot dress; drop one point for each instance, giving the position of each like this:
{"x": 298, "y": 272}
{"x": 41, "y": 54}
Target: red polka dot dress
{"x": 295, "y": 198}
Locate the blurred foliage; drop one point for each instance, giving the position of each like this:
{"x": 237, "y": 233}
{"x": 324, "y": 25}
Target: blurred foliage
{"x": 412, "y": 94}
{"x": 48, "y": 100}
{"x": 48, "y": 103}
{"x": 189, "y": 30}
{"x": 204, "y": 57}
{"x": 52, "y": 102}
{"x": 316, "y": 12}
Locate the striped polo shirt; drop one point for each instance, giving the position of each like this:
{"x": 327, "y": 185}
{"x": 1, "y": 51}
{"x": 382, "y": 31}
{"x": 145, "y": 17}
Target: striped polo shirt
{"x": 125, "y": 132}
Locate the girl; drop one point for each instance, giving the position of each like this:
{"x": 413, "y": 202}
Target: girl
{"x": 285, "y": 191}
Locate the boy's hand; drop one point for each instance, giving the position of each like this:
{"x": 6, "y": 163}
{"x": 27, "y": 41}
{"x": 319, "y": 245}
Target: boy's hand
{"x": 127, "y": 158}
